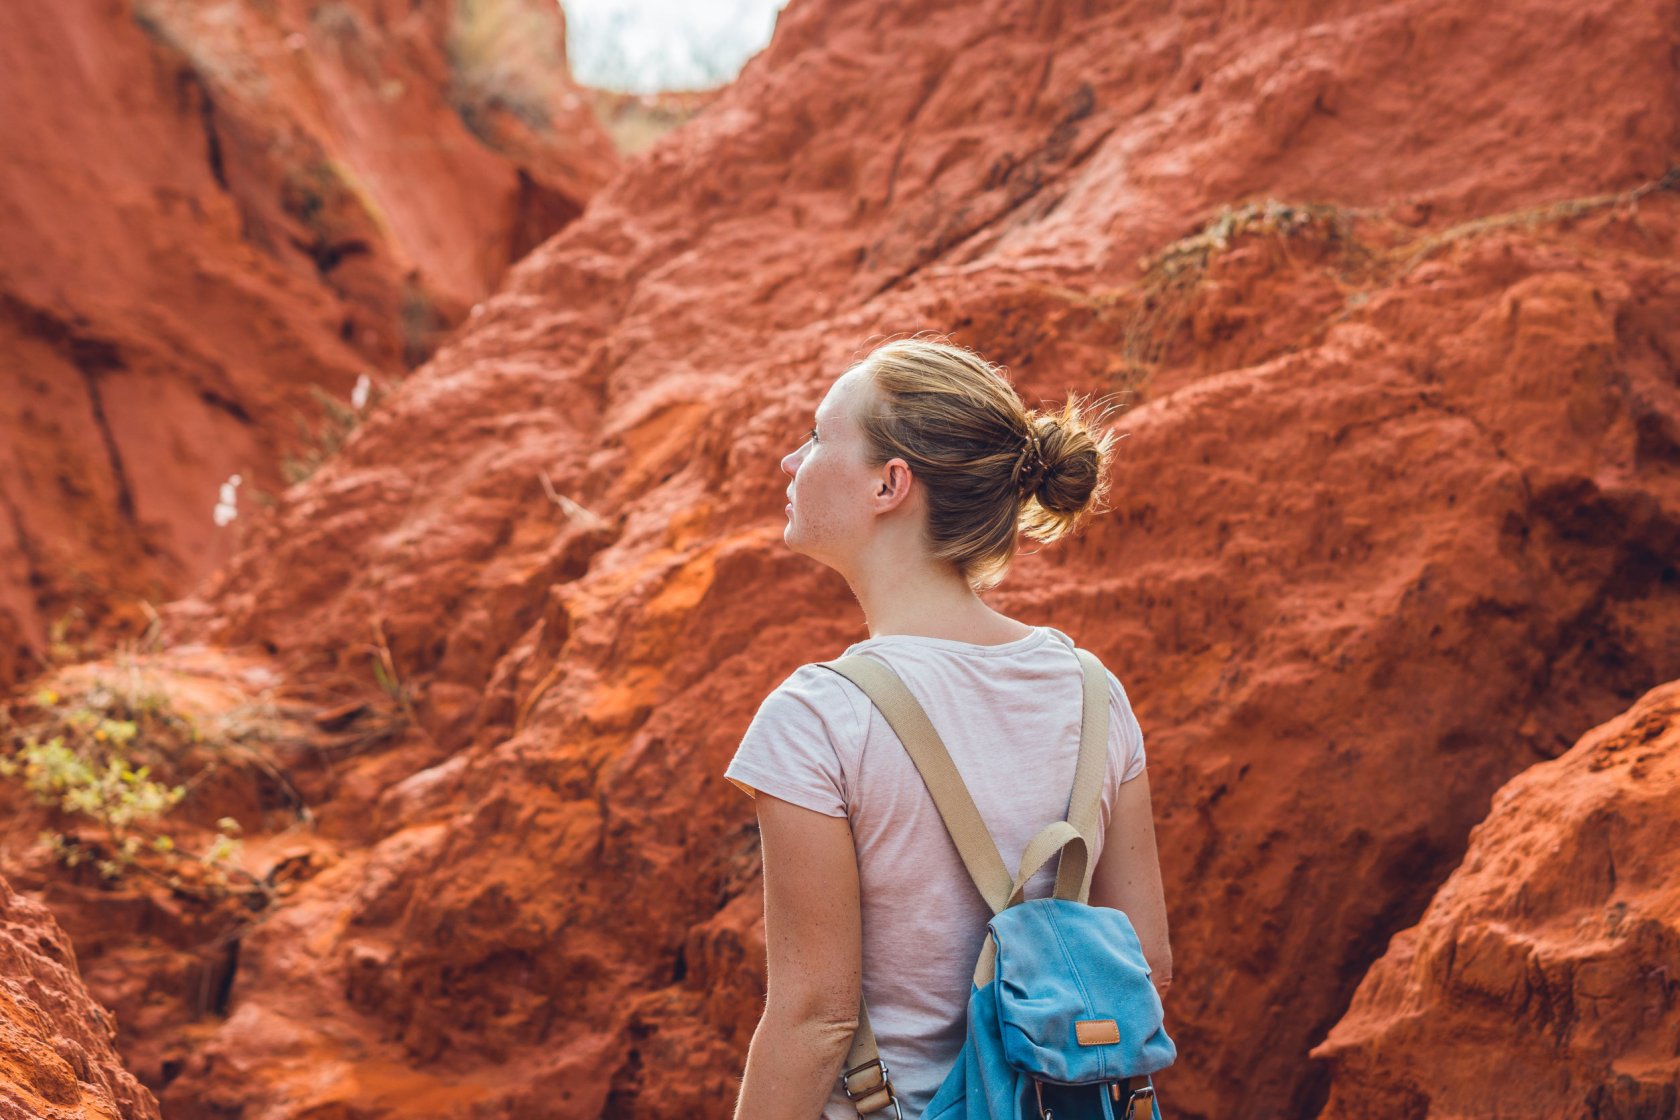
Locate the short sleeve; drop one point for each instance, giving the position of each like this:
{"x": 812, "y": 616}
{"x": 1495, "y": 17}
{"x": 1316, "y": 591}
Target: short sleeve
{"x": 794, "y": 748}
{"x": 1125, "y": 738}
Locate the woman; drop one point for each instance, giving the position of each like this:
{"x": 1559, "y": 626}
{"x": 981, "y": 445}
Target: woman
{"x": 921, "y": 469}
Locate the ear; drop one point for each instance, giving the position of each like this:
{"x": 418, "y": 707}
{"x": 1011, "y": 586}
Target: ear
{"x": 893, "y": 487}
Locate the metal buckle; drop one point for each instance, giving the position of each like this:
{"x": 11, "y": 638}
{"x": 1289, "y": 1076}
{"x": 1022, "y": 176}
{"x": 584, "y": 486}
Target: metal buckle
{"x": 1147, "y": 1094}
{"x": 1038, "y": 1091}
{"x": 846, "y": 1078}
{"x": 884, "y": 1083}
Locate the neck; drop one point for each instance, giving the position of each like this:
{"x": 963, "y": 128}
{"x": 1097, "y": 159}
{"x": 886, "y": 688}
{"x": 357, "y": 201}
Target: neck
{"x": 929, "y": 601}
{"x": 903, "y": 591}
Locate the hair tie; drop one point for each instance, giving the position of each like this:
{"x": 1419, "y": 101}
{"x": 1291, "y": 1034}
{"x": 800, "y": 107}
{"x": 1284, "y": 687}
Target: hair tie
{"x": 1029, "y": 465}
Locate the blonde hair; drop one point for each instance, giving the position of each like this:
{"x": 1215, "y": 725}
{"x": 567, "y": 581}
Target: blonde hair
{"x": 992, "y": 467}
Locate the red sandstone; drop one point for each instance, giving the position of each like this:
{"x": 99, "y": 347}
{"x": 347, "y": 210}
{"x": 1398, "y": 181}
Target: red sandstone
{"x": 1395, "y": 519}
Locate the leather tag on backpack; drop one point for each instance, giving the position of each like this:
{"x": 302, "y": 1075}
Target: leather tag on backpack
{"x": 1096, "y": 1032}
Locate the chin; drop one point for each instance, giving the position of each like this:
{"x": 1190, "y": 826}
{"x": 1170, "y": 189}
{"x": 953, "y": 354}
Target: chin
{"x": 795, "y": 545}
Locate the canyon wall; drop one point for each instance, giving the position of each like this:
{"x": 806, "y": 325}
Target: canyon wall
{"x": 57, "y": 1052}
{"x": 1395, "y": 519}
{"x": 1546, "y": 969}
{"x": 1396, "y": 514}
{"x": 214, "y": 212}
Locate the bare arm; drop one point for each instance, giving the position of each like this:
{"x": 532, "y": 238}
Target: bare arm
{"x": 813, "y": 933}
{"x": 1128, "y": 876}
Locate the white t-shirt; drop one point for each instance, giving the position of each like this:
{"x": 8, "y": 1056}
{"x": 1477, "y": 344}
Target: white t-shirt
{"x": 1010, "y": 716}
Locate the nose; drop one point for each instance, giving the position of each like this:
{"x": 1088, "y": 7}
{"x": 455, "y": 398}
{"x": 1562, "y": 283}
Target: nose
{"x": 790, "y": 462}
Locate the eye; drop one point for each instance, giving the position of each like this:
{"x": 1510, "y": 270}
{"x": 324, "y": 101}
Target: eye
{"x": 811, "y": 435}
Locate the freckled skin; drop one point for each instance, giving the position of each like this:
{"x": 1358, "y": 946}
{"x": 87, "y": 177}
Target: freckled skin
{"x": 832, "y": 486}
{"x": 869, "y": 524}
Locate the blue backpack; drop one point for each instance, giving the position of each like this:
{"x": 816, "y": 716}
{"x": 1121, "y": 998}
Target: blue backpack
{"x": 1063, "y": 1022}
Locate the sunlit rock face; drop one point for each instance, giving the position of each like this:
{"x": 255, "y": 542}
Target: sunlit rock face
{"x": 57, "y": 1052}
{"x": 1395, "y": 517}
{"x": 210, "y": 209}
{"x": 1543, "y": 978}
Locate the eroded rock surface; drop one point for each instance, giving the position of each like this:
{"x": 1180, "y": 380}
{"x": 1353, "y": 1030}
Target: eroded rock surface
{"x": 1395, "y": 518}
{"x": 58, "y": 1059}
{"x": 1544, "y": 978}
{"x": 211, "y": 209}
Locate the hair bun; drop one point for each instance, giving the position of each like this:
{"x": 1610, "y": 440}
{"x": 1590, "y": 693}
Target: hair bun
{"x": 1030, "y": 465}
{"x": 994, "y": 470}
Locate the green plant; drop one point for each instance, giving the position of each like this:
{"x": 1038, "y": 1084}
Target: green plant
{"x": 61, "y": 649}
{"x": 335, "y": 207}
{"x": 419, "y": 322}
{"x": 92, "y": 757}
{"x": 118, "y": 796}
{"x": 322, "y": 441}
{"x": 384, "y": 667}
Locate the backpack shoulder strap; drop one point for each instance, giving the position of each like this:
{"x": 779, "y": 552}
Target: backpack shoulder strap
{"x": 950, "y": 796}
{"x": 1085, "y": 802}
{"x": 864, "y": 1076}
{"x": 1073, "y": 841}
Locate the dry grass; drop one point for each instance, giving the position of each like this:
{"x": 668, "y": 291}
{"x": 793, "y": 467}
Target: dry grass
{"x": 1170, "y": 277}
{"x": 635, "y": 121}
{"x": 1364, "y": 249}
{"x": 505, "y": 54}
{"x": 1532, "y": 217}
{"x": 319, "y": 443}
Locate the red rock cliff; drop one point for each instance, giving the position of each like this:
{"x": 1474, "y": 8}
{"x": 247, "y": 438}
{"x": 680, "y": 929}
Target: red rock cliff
{"x": 57, "y": 1057}
{"x": 1396, "y": 516}
{"x": 210, "y": 208}
{"x": 1544, "y": 979}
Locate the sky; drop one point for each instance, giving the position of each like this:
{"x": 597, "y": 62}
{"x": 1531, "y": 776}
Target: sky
{"x": 648, "y": 45}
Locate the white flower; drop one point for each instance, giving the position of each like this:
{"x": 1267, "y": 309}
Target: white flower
{"x": 227, "y": 501}
{"x": 359, "y": 395}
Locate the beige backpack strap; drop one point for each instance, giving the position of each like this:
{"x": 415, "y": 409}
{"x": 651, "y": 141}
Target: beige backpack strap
{"x": 1075, "y": 837}
{"x": 956, "y": 808}
{"x": 1057, "y": 838}
{"x": 865, "y": 1077}
{"x": 1085, "y": 802}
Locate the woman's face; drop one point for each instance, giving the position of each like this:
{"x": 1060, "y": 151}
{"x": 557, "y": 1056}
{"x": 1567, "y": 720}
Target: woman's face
{"x": 831, "y": 498}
